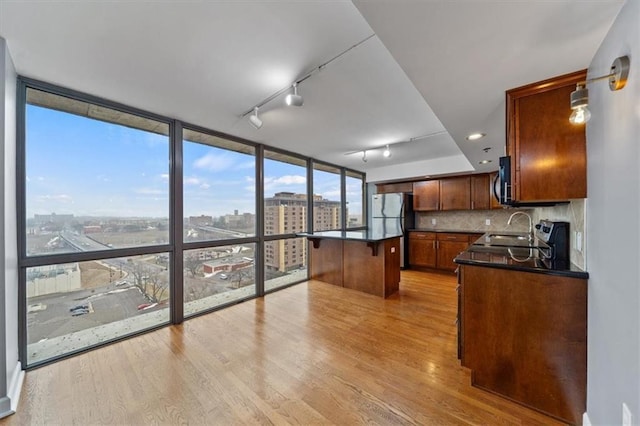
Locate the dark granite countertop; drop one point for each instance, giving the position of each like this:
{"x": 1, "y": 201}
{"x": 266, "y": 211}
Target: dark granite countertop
{"x": 364, "y": 235}
{"x": 448, "y": 231}
{"x": 527, "y": 259}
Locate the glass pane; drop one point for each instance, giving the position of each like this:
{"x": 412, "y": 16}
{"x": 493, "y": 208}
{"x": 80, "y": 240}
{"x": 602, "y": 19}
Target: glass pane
{"x": 96, "y": 178}
{"x": 219, "y": 188}
{"x": 285, "y": 262}
{"x": 217, "y": 276}
{"x": 75, "y": 305}
{"x": 326, "y": 199}
{"x": 355, "y": 217}
{"x": 285, "y": 191}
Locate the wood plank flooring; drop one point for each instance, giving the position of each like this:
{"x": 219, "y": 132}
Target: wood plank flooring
{"x": 310, "y": 354}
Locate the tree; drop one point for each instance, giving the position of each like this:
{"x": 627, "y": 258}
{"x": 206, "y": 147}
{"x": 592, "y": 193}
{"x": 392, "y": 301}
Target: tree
{"x": 192, "y": 263}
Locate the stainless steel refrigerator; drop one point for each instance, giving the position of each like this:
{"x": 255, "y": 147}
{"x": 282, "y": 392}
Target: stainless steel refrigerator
{"x": 393, "y": 213}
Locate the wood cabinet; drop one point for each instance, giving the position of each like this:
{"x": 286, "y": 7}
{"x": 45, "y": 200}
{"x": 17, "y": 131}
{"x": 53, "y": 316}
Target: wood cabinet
{"x": 449, "y": 246}
{"x": 426, "y": 195}
{"x": 422, "y": 249}
{"x": 436, "y": 250}
{"x": 548, "y": 154}
{"x": 480, "y": 192}
{"x": 524, "y": 336}
{"x": 455, "y": 193}
{"x": 389, "y": 188}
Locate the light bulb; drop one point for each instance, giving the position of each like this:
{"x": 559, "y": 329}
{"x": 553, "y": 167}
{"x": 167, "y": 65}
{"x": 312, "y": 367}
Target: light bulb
{"x": 387, "y": 152}
{"x": 580, "y": 115}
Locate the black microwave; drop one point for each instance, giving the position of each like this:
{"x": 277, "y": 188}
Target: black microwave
{"x": 502, "y": 182}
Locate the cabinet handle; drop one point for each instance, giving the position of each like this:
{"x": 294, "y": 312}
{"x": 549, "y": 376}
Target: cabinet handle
{"x": 472, "y": 205}
{"x": 434, "y": 244}
{"x": 456, "y": 322}
{"x": 458, "y": 286}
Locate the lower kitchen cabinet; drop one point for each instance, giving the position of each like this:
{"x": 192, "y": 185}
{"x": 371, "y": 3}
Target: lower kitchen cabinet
{"x": 449, "y": 246}
{"x": 524, "y": 336}
{"x": 436, "y": 250}
{"x": 422, "y": 249}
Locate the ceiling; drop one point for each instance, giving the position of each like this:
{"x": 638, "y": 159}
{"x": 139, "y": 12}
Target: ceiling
{"x": 418, "y": 75}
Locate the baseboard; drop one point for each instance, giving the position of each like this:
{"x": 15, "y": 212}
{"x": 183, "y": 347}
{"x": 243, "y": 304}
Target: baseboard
{"x": 585, "y": 419}
{"x": 13, "y": 392}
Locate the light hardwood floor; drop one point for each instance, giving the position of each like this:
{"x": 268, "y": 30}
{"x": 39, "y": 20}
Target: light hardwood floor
{"x": 310, "y": 354}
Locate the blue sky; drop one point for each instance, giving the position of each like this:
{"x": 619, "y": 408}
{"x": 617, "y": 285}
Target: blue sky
{"x": 92, "y": 168}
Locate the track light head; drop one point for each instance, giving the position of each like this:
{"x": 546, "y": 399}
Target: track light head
{"x": 293, "y": 99}
{"x": 254, "y": 119}
{"x": 387, "y": 152}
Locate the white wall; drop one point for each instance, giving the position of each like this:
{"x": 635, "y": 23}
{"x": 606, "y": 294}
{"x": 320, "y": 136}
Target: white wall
{"x": 11, "y": 373}
{"x": 613, "y": 229}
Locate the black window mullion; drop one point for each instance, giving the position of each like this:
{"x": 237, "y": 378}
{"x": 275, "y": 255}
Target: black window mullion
{"x": 176, "y": 298}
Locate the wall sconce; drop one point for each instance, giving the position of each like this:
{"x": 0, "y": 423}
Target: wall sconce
{"x": 580, "y": 97}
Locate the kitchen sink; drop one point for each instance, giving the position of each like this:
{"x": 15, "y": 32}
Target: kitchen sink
{"x": 508, "y": 237}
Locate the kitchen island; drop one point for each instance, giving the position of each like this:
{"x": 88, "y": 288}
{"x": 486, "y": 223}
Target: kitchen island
{"x": 366, "y": 261}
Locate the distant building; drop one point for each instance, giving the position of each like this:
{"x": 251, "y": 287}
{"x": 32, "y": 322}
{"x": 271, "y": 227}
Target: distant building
{"x": 286, "y": 213}
{"x": 239, "y": 221}
{"x": 41, "y": 219}
{"x": 91, "y": 229}
{"x": 201, "y": 220}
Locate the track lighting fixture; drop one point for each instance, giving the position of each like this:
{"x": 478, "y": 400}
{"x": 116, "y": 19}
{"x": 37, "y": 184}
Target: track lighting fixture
{"x": 387, "y": 152}
{"x": 293, "y": 99}
{"x": 254, "y": 119}
{"x": 580, "y": 97}
{"x": 364, "y": 156}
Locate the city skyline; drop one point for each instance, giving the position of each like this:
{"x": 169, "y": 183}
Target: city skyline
{"x": 124, "y": 172}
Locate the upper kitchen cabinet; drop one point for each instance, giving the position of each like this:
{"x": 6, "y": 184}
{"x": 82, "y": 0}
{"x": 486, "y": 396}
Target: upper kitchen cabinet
{"x": 455, "y": 193}
{"x": 387, "y": 188}
{"x": 426, "y": 195}
{"x": 480, "y": 192}
{"x": 548, "y": 153}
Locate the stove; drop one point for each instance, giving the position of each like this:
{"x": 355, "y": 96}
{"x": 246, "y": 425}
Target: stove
{"x": 556, "y": 236}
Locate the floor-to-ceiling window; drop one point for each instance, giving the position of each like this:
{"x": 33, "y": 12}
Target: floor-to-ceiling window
{"x": 327, "y": 195}
{"x": 95, "y": 218}
{"x": 354, "y": 195}
{"x": 285, "y": 214}
{"x": 129, "y": 220}
{"x": 219, "y": 193}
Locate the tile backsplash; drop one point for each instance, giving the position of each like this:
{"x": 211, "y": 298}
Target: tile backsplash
{"x": 475, "y": 221}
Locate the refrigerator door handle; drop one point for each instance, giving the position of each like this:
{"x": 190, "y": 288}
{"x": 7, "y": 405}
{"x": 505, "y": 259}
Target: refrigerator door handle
{"x": 402, "y": 217}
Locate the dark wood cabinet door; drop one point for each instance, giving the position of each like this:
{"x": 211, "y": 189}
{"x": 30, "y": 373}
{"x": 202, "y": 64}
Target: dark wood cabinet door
{"x": 426, "y": 195}
{"x": 480, "y": 192}
{"x": 455, "y": 193}
{"x": 449, "y": 246}
{"x": 387, "y": 188}
{"x": 548, "y": 152}
{"x": 422, "y": 249}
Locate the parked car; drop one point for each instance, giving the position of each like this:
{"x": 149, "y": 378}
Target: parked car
{"x": 79, "y": 312}
{"x": 223, "y": 276}
{"x": 79, "y": 307}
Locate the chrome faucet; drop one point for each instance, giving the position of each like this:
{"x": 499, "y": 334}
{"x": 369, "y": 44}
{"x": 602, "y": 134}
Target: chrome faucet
{"x": 530, "y": 222}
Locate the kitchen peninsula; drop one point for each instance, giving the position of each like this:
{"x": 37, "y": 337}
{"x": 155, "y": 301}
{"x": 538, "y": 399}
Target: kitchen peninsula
{"x": 365, "y": 260}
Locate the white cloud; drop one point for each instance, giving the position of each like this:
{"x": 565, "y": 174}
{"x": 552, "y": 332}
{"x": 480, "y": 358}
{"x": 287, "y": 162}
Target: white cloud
{"x": 205, "y": 186}
{"x": 192, "y": 181}
{"x": 164, "y": 176}
{"x": 213, "y": 162}
{"x": 290, "y": 180}
{"x": 63, "y": 198}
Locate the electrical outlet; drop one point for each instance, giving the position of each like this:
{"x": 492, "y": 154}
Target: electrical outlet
{"x": 487, "y": 222}
{"x": 579, "y": 241}
{"x": 627, "y": 419}
{"x": 433, "y": 221}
